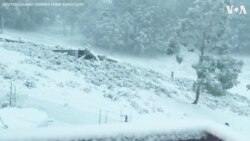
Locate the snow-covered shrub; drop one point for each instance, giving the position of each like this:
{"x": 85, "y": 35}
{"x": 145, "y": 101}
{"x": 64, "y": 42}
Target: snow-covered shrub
{"x": 218, "y": 73}
{"x": 228, "y": 71}
{"x": 173, "y": 47}
{"x": 214, "y": 87}
{"x": 248, "y": 87}
{"x": 5, "y": 104}
{"x": 16, "y": 74}
{"x": 72, "y": 84}
{"x": 30, "y": 84}
{"x": 179, "y": 59}
{"x": 110, "y": 96}
{"x": 162, "y": 91}
{"x": 191, "y": 48}
{"x": 8, "y": 76}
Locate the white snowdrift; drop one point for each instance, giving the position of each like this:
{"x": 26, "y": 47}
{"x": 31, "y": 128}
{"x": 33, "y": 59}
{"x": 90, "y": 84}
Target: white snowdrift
{"x": 15, "y": 118}
{"x": 170, "y": 130}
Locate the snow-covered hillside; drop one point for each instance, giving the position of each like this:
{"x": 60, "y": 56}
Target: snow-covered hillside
{"x": 55, "y": 90}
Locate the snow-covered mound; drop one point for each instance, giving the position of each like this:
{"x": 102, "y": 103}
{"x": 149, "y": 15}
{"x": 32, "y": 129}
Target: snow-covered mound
{"x": 184, "y": 130}
{"x": 16, "y": 118}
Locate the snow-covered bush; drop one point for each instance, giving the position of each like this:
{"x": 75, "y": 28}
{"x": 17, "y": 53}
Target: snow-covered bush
{"x": 30, "y": 84}
{"x": 248, "y": 87}
{"x": 212, "y": 87}
{"x": 173, "y": 47}
{"x": 229, "y": 69}
{"x": 13, "y": 75}
{"x": 179, "y": 59}
{"x": 218, "y": 73}
{"x": 8, "y": 76}
{"x": 4, "y": 104}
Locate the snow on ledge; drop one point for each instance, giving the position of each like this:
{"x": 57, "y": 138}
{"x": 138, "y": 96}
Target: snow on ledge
{"x": 171, "y": 130}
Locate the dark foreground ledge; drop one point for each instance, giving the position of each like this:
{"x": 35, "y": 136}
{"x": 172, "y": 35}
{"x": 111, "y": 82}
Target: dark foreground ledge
{"x": 168, "y": 131}
{"x": 157, "y": 137}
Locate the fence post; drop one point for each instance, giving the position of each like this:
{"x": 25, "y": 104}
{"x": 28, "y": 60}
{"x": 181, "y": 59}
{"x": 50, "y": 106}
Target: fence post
{"x": 1, "y": 23}
{"x": 14, "y": 96}
{"x": 130, "y": 116}
{"x": 10, "y": 100}
{"x": 106, "y": 117}
{"x": 4, "y": 125}
{"x": 121, "y": 116}
{"x": 172, "y": 74}
{"x": 100, "y": 116}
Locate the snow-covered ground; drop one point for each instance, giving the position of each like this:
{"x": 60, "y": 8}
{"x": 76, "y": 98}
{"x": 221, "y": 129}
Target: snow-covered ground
{"x": 55, "y": 90}
{"x": 168, "y": 64}
{"x": 176, "y": 130}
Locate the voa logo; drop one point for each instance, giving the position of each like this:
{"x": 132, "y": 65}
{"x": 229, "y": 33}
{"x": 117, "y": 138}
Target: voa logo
{"x": 231, "y": 9}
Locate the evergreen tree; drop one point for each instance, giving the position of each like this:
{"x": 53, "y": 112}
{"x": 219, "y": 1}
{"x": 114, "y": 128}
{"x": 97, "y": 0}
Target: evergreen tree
{"x": 207, "y": 29}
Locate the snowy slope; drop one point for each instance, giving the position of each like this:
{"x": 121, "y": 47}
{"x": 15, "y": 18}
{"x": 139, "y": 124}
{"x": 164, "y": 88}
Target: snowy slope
{"x": 70, "y": 91}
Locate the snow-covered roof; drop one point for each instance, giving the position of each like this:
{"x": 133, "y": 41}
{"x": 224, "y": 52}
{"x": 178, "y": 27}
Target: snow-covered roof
{"x": 168, "y": 130}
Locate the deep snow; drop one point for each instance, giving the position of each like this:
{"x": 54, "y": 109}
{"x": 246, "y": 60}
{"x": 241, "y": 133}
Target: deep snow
{"x": 176, "y": 130}
{"x": 66, "y": 91}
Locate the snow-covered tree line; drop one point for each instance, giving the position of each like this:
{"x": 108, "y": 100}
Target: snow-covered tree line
{"x": 25, "y": 17}
{"x": 134, "y": 26}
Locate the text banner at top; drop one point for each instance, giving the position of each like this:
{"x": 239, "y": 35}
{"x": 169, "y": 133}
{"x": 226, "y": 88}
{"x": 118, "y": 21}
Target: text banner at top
{"x": 42, "y": 4}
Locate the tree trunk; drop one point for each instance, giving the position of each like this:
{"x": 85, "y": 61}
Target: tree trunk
{"x": 1, "y": 23}
{"x": 202, "y": 54}
{"x": 198, "y": 91}
{"x": 199, "y": 76}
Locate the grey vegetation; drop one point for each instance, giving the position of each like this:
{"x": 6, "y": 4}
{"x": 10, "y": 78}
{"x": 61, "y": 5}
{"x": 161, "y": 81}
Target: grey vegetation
{"x": 248, "y": 87}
